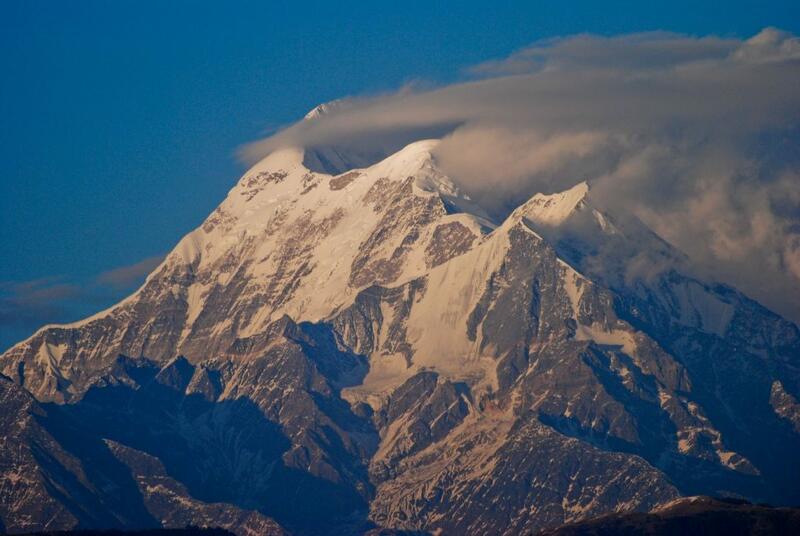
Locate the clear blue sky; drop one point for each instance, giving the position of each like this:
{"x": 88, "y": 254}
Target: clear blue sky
{"x": 119, "y": 119}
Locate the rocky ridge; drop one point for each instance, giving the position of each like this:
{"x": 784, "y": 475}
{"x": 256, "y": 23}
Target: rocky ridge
{"x": 335, "y": 353}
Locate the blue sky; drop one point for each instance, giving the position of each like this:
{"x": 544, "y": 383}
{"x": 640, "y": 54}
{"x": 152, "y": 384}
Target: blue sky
{"x": 120, "y": 120}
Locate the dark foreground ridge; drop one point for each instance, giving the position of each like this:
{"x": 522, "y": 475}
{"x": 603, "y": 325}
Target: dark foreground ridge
{"x": 692, "y": 515}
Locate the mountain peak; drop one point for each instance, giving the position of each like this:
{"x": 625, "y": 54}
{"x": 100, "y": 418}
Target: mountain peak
{"x": 410, "y": 160}
{"x": 417, "y": 160}
{"x": 544, "y": 211}
{"x": 286, "y": 159}
{"x": 324, "y": 109}
{"x": 553, "y": 209}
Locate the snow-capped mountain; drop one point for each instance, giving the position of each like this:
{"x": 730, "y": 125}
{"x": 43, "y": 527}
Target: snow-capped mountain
{"x": 329, "y": 353}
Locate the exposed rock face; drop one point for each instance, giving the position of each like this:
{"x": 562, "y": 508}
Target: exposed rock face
{"x": 511, "y": 476}
{"x": 28, "y": 451}
{"x": 449, "y": 240}
{"x": 59, "y": 473}
{"x": 337, "y": 354}
{"x": 176, "y": 508}
{"x": 785, "y": 404}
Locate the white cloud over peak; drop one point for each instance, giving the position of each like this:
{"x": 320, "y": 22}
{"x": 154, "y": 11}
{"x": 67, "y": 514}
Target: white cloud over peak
{"x": 698, "y": 136}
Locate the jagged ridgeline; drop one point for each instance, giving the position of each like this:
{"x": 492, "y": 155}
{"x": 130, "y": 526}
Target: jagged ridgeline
{"x": 336, "y": 353}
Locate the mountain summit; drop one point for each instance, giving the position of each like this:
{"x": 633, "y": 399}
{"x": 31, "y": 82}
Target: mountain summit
{"x": 332, "y": 353}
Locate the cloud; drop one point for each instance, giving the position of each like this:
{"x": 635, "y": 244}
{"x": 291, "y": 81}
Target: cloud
{"x": 770, "y": 44}
{"x": 638, "y": 82}
{"x": 698, "y": 136}
{"x": 643, "y": 51}
{"x": 36, "y": 301}
{"x": 127, "y": 276}
{"x": 27, "y": 305}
